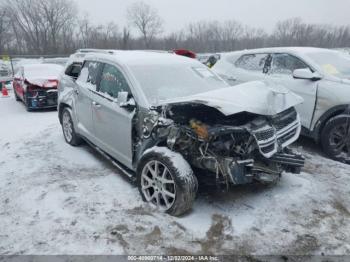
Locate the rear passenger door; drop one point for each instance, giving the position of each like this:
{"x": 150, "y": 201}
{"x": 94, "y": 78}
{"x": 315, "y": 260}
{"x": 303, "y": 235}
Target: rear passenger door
{"x": 84, "y": 90}
{"x": 281, "y": 71}
{"x": 113, "y": 124}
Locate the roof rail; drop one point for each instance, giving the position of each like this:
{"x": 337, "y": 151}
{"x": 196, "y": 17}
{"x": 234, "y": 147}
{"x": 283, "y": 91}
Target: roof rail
{"x": 155, "y": 51}
{"x": 91, "y": 50}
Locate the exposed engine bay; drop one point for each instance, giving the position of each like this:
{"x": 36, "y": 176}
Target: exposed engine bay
{"x": 236, "y": 149}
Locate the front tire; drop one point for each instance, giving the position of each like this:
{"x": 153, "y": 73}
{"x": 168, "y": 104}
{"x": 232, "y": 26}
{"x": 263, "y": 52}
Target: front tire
{"x": 335, "y": 138}
{"x": 69, "y": 133}
{"x": 166, "y": 181}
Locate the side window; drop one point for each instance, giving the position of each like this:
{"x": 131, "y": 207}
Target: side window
{"x": 252, "y": 62}
{"x": 73, "y": 70}
{"x": 112, "y": 81}
{"x": 286, "y": 64}
{"x": 89, "y": 73}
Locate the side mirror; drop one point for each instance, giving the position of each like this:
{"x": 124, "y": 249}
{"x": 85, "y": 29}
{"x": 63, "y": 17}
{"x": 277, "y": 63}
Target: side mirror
{"x": 306, "y": 74}
{"x": 124, "y": 102}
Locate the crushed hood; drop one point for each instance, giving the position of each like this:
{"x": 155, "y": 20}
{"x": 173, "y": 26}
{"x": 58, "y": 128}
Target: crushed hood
{"x": 257, "y": 97}
{"x": 47, "y": 82}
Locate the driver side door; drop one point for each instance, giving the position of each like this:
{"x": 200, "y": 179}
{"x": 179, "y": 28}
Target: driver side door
{"x": 281, "y": 71}
{"x": 112, "y": 123}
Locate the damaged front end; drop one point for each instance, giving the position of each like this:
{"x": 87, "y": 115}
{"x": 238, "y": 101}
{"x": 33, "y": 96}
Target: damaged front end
{"x": 41, "y": 95}
{"x": 236, "y": 149}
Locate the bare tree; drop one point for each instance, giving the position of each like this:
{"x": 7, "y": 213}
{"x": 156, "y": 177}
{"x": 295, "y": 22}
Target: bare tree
{"x": 58, "y": 14}
{"x": 146, "y": 20}
{"x": 5, "y": 23}
{"x": 253, "y": 38}
{"x": 126, "y": 37}
{"x": 84, "y": 32}
{"x": 27, "y": 20}
{"x": 232, "y": 32}
{"x": 41, "y": 22}
{"x": 52, "y": 27}
{"x": 292, "y": 32}
{"x": 101, "y": 36}
{"x": 213, "y": 36}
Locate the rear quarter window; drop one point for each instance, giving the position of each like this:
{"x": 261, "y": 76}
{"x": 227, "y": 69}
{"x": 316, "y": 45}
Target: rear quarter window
{"x": 252, "y": 62}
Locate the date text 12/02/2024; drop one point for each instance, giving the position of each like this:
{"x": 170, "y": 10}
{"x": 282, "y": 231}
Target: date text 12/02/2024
{"x": 173, "y": 258}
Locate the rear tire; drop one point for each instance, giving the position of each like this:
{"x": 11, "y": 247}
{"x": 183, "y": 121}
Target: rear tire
{"x": 166, "y": 181}
{"x": 69, "y": 133}
{"x": 335, "y": 138}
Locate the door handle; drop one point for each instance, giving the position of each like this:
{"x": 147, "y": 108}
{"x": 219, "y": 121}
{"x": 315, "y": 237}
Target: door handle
{"x": 96, "y": 105}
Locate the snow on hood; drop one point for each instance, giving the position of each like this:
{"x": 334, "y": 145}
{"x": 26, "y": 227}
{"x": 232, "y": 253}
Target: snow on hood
{"x": 41, "y": 74}
{"x": 257, "y": 97}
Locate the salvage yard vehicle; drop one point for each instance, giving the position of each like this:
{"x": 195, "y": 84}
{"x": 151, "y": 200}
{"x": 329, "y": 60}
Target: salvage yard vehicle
{"x": 185, "y": 52}
{"x": 320, "y": 76}
{"x": 159, "y": 116}
{"x": 36, "y": 85}
{"x": 5, "y": 74}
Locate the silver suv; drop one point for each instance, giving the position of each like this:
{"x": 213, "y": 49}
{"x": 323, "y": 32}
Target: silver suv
{"x": 158, "y": 117}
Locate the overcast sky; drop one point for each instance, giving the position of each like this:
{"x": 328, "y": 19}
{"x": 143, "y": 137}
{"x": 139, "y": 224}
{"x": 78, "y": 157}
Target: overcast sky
{"x": 257, "y": 13}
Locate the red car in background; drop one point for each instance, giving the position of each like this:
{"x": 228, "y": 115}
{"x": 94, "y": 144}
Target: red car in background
{"x": 185, "y": 52}
{"x": 36, "y": 85}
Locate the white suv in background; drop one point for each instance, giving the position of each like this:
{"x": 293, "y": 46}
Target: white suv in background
{"x": 320, "y": 76}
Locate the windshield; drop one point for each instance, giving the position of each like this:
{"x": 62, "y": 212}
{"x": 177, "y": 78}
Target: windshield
{"x": 165, "y": 82}
{"x": 333, "y": 63}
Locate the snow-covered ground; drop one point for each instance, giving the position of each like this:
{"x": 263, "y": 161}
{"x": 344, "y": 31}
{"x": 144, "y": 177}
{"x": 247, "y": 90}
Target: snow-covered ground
{"x": 56, "y": 199}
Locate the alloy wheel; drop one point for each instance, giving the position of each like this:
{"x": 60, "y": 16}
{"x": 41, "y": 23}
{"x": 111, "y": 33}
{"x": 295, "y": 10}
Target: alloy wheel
{"x": 339, "y": 139}
{"x": 67, "y": 126}
{"x": 158, "y": 185}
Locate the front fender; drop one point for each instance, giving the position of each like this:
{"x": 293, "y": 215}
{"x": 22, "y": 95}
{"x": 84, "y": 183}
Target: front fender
{"x": 321, "y": 122}
{"x": 65, "y": 94}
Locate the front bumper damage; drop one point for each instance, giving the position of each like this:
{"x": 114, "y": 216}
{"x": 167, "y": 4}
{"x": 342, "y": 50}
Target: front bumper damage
{"x": 42, "y": 99}
{"x": 255, "y": 151}
{"x": 237, "y": 149}
{"x": 238, "y": 172}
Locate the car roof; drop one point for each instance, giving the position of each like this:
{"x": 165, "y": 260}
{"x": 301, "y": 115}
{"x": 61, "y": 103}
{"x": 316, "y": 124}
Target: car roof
{"x": 132, "y": 58}
{"x": 291, "y": 50}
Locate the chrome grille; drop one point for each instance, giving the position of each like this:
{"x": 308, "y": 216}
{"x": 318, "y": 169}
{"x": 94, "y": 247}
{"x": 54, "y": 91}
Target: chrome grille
{"x": 282, "y": 131}
{"x": 285, "y": 119}
{"x": 266, "y": 134}
{"x": 287, "y": 136}
{"x": 268, "y": 149}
